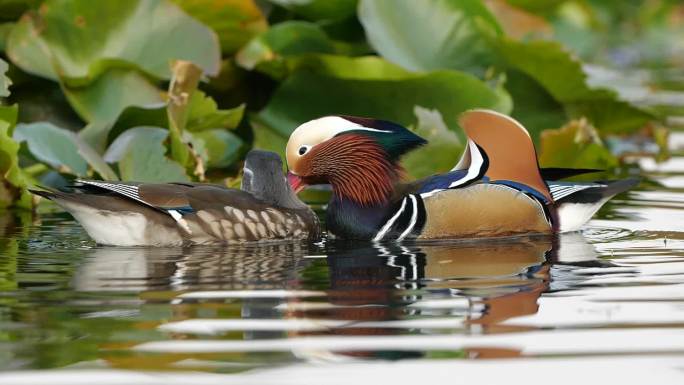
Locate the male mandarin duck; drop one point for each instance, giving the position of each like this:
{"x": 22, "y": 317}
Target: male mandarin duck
{"x": 496, "y": 189}
{"x": 170, "y": 214}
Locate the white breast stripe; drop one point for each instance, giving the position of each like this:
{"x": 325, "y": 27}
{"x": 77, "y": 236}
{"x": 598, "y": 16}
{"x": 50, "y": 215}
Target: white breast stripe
{"x": 390, "y": 222}
{"x": 476, "y": 161}
{"x": 414, "y": 217}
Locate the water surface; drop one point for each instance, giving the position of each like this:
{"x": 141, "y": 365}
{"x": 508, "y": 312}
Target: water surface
{"x": 606, "y": 302}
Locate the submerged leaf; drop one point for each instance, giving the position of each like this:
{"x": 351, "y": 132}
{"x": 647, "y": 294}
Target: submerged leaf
{"x": 140, "y": 155}
{"x": 576, "y": 145}
{"x": 453, "y": 34}
{"x": 442, "y": 151}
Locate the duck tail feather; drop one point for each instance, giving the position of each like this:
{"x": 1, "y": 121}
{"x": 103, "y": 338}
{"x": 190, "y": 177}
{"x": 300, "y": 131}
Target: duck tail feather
{"x": 607, "y": 189}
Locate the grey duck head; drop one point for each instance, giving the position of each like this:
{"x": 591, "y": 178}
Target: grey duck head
{"x": 264, "y": 179}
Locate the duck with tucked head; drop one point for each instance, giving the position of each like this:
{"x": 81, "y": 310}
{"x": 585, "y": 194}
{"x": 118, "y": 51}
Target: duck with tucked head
{"x": 496, "y": 189}
{"x": 170, "y": 214}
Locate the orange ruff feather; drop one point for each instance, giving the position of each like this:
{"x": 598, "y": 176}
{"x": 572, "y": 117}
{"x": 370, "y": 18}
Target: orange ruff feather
{"x": 356, "y": 166}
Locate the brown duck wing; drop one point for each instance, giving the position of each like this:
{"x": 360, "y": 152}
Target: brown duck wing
{"x": 161, "y": 196}
{"x": 212, "y": 197}
{"x": 508, "y": 147}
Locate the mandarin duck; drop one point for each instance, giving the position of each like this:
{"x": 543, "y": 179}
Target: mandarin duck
{"x": 496, "y": 189}
{"x": 171, "y": 214}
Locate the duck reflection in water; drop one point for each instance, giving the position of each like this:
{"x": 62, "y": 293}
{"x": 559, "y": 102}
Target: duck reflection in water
{"x": 483, "y": 284}
{"x": 366, "y": 290}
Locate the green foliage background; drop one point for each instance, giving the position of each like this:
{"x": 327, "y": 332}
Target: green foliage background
{"x": 155, "y": 90}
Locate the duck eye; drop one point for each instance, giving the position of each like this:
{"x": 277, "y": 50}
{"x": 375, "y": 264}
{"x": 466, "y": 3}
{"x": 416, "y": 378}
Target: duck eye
{"x": 303, "y": 150}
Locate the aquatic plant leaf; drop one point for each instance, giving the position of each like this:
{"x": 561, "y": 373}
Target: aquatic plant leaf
{"x": 105, "y": 99}
{"x": 442, "y": 151}
{"x": 234, "y": 21}
{"x": 533, "y": 106}
{"x": 320, "y": 9}
{"x": 5, "y": 82}
{"x": 282, "y": 40}
{"x": 61, "y": 149}
{"x": 363, "y": 67}
{"x": 222, "y": 147}
{"x": 152, "y": 115}
{"x": 13, "y": 9}
{"x": 454, "y": 34}
{"x": 184, "y": 82}
{"x": 204, "y": 114}
{"x": 140, "y": 155}
{"x": 575, "y": 145}
{"x": 266, "y": 138}
{"x": 70, "y": 40}
{"x": 561, "y": 75}
{"x": 12, "y": 180}
{"x": 449, "y": 92}
{"x": 52, "y": 145}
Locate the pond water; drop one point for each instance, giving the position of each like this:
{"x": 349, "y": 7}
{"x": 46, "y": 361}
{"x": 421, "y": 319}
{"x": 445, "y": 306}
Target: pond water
{"x": 604, "y": 303}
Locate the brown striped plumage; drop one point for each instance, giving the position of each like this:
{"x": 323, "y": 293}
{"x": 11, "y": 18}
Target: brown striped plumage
{"x": 355, "y": 165}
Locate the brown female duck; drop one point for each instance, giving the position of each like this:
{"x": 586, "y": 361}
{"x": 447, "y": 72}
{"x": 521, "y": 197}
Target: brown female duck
{"x": 168, "y": 214}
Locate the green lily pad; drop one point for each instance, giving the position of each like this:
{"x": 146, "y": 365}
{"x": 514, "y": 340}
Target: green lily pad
{"x": 234, "y": 21}
{"x": 203, "y": 114}
{"x": 449, "y": 92}
{"x": 133, "y": 116}
{"x": 268, "y": 52}
{"x": 222, "y": 147}
{"x": 61, "y": 149}
{"x": 576, "y": 145}
{"x": 364, "y": 67}
{"x": 140, "y": 155}
{"x": 72, "y": 41}
{"x": 533, "y": 106}
{"x": 5, "y": 82}
{"x": 52, "y": 145}
{"x": 562, "y": 77}
{"x": 442, "y": 151}
{"x": 320, "y": 9}
{"x": 453, "y": 34}
{"x": 104, "y": 100}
